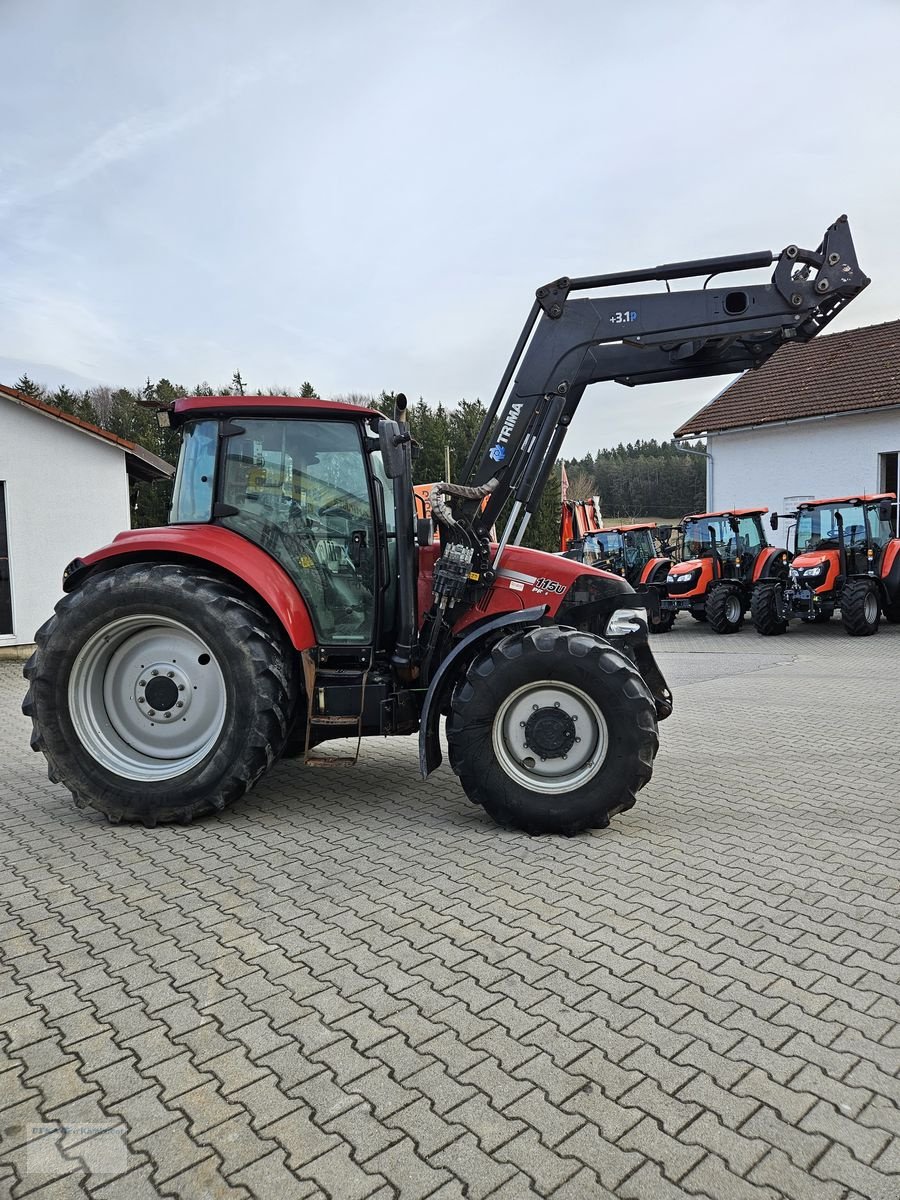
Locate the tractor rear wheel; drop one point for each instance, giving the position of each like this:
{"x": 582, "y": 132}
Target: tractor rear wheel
{"x": 158, "y": 694}
{"x": 552, "y": 731}
{"x": 725, "y": 608}
{"x": 860, "y": 608}
{"x": 766, "y": 609}
{"x": 699, "y": 614}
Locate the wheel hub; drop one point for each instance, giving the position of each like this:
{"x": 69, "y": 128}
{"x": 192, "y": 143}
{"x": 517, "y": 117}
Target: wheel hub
{"x": 550, "y": 732}
{"x": 162, "y": 692}
{"x": 550, "y": 737}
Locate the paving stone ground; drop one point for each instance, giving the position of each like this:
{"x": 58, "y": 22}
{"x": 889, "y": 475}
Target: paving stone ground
{"x": 353, "y": 985}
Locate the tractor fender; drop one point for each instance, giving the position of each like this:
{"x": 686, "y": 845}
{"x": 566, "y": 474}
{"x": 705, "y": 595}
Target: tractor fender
{"x": 770, "y": 564}
{"x": 655, "y": 570}
{"x": 429, "y": 740}
{"x": 207, "y": 545}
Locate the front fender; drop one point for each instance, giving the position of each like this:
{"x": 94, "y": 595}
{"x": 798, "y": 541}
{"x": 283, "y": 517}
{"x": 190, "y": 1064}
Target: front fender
{"x": 429, "y": 738}
{"x": 207, "y": 545}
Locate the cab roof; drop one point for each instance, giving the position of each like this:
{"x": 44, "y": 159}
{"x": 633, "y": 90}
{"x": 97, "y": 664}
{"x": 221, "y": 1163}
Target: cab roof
{"x": 862, "y": 498}
{"x": 261, "y": 406}
{"x": 620, "y": 529}
{"x": 726, "y": 512}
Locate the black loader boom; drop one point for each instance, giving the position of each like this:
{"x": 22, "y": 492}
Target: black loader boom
{"x": 569, "y": 343}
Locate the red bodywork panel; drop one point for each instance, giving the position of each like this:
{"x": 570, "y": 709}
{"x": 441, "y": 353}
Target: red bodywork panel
{"x": 707, "y": 574}
{"x": 765, "y": 557}
{"x": 228, "y": 550}
{"x": 525, "y": 579}
{"x": 812, "y": 558}
{"x": 889, "y": 556}
{"x": 726, "y": 512}
{"x": 186, "y": 406}
{"x": 860, "y": 499}
{"x": 652, "y": 563}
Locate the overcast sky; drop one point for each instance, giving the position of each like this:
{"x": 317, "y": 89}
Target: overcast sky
{"x": 367, "y": 194}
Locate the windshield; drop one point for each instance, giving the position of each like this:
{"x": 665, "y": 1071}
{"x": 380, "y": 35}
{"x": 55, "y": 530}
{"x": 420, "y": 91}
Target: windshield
{"x": 732, "y": 535}
{"x": 819, "y": 528}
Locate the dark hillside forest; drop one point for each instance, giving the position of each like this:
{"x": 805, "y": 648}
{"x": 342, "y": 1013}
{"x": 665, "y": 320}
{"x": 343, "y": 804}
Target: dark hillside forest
{"x": 647, "y": 478}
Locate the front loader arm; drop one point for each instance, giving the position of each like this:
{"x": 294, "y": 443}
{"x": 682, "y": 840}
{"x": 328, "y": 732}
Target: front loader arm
{"x": 568, "y": 344}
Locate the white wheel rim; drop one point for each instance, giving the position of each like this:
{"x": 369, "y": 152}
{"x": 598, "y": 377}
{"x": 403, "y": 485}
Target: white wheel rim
{"x": 147, "y": 698}
{"x": 558, "y": 709}
{"x": 732, "y": 610}
{"x": 870, "y": 608}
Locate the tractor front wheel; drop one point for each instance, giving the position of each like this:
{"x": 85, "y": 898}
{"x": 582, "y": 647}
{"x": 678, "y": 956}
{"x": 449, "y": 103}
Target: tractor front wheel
{"x": 766, "y": 609}
{"x": 664, "y": 622}
{"x": 725, "y": 608}
{"x": 158, "y": 693}
{"x": 860, "y": 608}
{"x": 552, "y": 731}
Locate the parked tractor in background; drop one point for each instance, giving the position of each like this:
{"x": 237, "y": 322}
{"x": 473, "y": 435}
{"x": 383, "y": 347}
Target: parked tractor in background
{"x": 725, "y": 557}
{"x": 846, "y": 558}
{"x": 291, "y": 600}
{"x": 630, "y": 551}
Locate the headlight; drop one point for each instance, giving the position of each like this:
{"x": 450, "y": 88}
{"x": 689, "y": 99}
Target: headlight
{"x": 814, "y": 572}
{"x": 680, "y": 578}
{"x": 626, "y": 620}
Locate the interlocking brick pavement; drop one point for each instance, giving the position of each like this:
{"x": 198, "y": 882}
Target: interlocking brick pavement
{"x": 355, "y": 986}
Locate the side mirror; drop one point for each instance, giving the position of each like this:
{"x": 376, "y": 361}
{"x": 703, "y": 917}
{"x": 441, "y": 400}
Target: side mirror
{"x": 885, "y": 511}
{"x": 393, "y": 438}
{"x": 664, "y": 532}
{"x": 773, "y": 520}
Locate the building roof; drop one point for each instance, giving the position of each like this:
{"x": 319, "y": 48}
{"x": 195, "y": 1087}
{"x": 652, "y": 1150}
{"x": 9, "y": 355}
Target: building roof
{"x": 140, "y": 463}
{"x": 848, "y": 372}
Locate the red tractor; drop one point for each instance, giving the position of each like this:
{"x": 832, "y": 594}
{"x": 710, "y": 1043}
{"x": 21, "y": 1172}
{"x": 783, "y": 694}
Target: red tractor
{"x": 846, "y": 557}
{"x": 725, "y": 556}
{"x": 629, "y": 551}
{"x": 292, "y": 599}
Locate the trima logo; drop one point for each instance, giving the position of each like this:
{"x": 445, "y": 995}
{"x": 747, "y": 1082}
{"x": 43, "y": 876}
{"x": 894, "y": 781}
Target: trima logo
{"x": 497, "y": 453}
{"x": 509, "y": 423}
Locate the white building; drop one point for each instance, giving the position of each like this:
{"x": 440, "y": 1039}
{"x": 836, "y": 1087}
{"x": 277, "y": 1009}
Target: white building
{"x": 63, "y": 492}
{"x": 818, "y": 419}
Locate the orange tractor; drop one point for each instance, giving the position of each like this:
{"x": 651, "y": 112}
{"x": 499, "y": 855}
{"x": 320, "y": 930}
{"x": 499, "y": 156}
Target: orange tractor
{"x": 846, "y": 557}
{"x": 630, "y": 551}
{"x": 725, "y": 556}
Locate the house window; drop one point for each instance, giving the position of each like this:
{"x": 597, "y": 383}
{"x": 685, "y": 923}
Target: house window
{"x": 889, "y": 469}
{"x": 6, "y": 624}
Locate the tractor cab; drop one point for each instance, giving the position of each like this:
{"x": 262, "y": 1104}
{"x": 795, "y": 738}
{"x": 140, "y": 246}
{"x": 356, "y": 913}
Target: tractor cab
{"x": 723, "y": 555}
{"x": 622, "y": 550}
{"x": 841, "y": 536}
{"x": 305, "y": 483}
{"x": 846, "y": 558}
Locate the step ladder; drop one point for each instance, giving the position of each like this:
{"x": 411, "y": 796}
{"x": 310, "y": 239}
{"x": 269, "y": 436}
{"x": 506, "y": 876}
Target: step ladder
{"x": 316, "y": 678}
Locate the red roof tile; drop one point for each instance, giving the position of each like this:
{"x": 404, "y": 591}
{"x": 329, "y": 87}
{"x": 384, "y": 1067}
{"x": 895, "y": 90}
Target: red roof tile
{"x": 835, "y": 373}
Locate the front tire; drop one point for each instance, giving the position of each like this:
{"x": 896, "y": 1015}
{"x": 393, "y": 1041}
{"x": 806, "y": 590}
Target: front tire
{"x": 725, "y": 609}
{"x": 158, "y": 693}
{"x": 552, "y": 731}
{"x": 860, "y": 608}
{"x": 664, "y": 622}
{"x": 766, "y": 609}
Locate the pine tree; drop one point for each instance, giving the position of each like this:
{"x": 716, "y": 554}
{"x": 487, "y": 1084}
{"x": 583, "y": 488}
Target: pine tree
{"x": 29, "y": 388}
{"x": 307, "y": 391}
{"x": 237, "y": 384}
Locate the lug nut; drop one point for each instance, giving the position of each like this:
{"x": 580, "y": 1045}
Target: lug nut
{"x": 181, "y": 687}
{"x": 154, "y": 672}
{"x": 169, "y": 674}
{"x": 143, "y": 683}
{"x": 141, "y": 700}
{"x": 180, "y": 704}
{"x": 168, "y": 715}
{"x": 151, "y": 713}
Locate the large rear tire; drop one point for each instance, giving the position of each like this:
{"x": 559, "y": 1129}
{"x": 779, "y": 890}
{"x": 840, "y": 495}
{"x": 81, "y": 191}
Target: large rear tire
{"x": 552, "y": 731}
{"x": 766, "y": 609}
{"x": 725, "y": 608}
{"x": 860, "y": 608}
{"x": 158, "y": 693}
